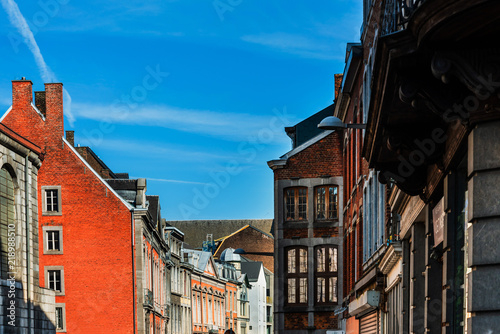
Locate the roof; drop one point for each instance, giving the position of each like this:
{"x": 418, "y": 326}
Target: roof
{"x": 221, "y": 240}
{"x": 273, "y": 164}
{"x": 154, "y": 207}
{"x": 126, "y": 188}
{"x": 252, "y": 269}
{"x": 308, "y": 128}
{"x": 20, "y": 139}
{"x": 195, "y": 231}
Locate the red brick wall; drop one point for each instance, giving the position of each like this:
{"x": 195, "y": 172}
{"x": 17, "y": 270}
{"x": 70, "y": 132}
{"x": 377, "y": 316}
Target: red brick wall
{"x": 251, "y": 240}
{"x": 296, "y": 321}
{"x": 319, "y": 232}
{"x": 321, "y": 158}
{"x": 325, "y": 320}
{"x": 97, "y": 255}
{"x": 289, "y": 233}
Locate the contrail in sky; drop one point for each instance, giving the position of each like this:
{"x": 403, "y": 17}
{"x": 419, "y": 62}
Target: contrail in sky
{"x": 17, "y": 19}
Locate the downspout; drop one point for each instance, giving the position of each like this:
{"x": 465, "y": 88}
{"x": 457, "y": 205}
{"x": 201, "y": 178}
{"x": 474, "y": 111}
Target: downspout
{"x": 133, "y": 270}
{"x": 28, "y": 218}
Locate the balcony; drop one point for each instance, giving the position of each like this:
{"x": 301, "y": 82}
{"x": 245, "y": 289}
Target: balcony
{"x": 269, "y": 319}
{"x": 148, "y": 298}
{"x": 397, "y": 14}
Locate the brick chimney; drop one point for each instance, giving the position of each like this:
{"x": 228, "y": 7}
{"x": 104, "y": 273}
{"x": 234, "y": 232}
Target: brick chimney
{"x": 22, "y": 93}
{"x": 54, "y": 123}
{"x": 70, "y": 137}
{"x": 338, "y": 84}
{"x": 40, "y": 102}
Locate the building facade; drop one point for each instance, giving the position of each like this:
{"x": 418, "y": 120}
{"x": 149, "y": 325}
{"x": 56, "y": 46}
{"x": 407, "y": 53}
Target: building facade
{"x": 308, "y": 182}
{"x": 24, "y": 305}
{"x": 419, "y": 216}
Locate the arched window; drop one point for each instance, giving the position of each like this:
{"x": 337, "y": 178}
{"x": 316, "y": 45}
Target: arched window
{"x": 7, "y": 219}
{"x": 326, "y": 200}
{"x": 296, "y": 275}
{"x": 295, "y": 203}
{"x": 326, "y": 274}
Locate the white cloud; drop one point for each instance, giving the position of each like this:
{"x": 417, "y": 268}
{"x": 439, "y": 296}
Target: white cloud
{"x": 17, "y": 19}
{"x": 229, "y": 126}
{"x": 171, "y": 181}
{"x": 294, "y": 44}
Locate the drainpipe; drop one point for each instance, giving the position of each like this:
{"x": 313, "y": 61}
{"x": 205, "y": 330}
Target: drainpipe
{"x": 28, "y": 218}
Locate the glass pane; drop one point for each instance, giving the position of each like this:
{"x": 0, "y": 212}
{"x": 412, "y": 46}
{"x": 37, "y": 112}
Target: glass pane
{"x": 333, "y": 290}
{"x": 320, "y": 260}
{"x": 291, "y": 261}
{"x": 332, "y": 202}
{"x": 320, "y": 298}
{"x": 332, "y": 259}
{"x": 302, "y": 204}
{"x": 290, "y": 204}
{"x": 303, "y": 260}
{"x": 320, "y": 203}
{"x": 291, "y": 290}
{"x": 59, "y": 318}
{"x": 303, "y": 290}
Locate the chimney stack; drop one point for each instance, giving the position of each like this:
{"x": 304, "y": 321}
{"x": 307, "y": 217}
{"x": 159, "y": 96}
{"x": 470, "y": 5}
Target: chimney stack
{"x": 70, "y": 137}
{"x": 338, "y": 84}
{"x": 40, "y": 102}
{"x": 54, "y": 109}
{"x": 22, "y": 93}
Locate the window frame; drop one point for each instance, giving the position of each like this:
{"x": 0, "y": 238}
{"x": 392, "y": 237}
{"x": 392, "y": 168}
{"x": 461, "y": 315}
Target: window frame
{"x": 46, "y": 274}
{"x": 297, "y": 275}
{"x": 45, "y": 212}
{"x": 62, "y": 306}
{"x": 327, "y": 203}
{"x": 326, "y": 274}
{"x": 45, "y": 230}
{"x": 296, "y": 203}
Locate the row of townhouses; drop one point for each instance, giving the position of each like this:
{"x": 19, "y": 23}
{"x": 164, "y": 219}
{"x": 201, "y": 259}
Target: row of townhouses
{"x": 387, "y": 216}
{"x": 85, "y": 250}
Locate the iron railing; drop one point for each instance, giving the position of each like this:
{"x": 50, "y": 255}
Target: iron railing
{"x": 397, "y": 13}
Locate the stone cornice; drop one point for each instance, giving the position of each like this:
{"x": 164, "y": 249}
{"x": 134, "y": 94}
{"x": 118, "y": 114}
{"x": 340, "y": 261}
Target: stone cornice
{"x": 390, "y": 258}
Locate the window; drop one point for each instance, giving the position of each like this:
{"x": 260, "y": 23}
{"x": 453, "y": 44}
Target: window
{"x": 326, "y": 202}
{"x": 373, "y": 216}
{"x": 296, "y": 278}
{"x": 54, "y": 279}
{"x": 296, "y": 203}
{"x": 53, "y": 241}
{"x": 326, "y": 274}
{"x": 7, "y": 219}
{"x": 60, "y": 317}
{"x": 51, "y": 198}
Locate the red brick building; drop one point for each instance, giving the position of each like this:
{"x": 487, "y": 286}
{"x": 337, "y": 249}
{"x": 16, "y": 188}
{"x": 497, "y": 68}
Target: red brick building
{"x": 101, "y": 253}
{"x": 308, "y": 183}
{"x": 251, "y": 240}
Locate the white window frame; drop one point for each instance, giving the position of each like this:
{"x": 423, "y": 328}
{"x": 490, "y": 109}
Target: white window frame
{"x": 51, "y": 268}
{"x": 63, "y": 307}
{"x": 45, "y": 212}
{"x": 47, "y": 229}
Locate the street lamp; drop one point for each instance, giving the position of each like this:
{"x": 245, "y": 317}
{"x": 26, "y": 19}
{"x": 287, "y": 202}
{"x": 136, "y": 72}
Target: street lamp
{"x": 334, "y": 123}
{"x": 241, "y": 251}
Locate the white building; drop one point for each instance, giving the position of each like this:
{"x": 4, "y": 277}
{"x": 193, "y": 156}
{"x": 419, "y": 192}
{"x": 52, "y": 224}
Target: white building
{"x": 256, "y": 296}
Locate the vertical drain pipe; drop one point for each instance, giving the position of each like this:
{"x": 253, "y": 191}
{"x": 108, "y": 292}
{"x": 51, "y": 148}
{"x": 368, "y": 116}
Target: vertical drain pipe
{"x": 28, "y": 218}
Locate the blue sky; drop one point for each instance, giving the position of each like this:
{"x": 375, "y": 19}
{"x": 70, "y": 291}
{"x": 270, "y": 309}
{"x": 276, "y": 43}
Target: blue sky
{"x": 192, "y": 95}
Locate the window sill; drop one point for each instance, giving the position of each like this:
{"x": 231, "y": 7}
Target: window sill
{"x": 52, "y": 213}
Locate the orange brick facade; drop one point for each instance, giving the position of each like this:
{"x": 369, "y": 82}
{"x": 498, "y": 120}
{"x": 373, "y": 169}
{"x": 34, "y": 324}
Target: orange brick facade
{"x": 99, "y": 272}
